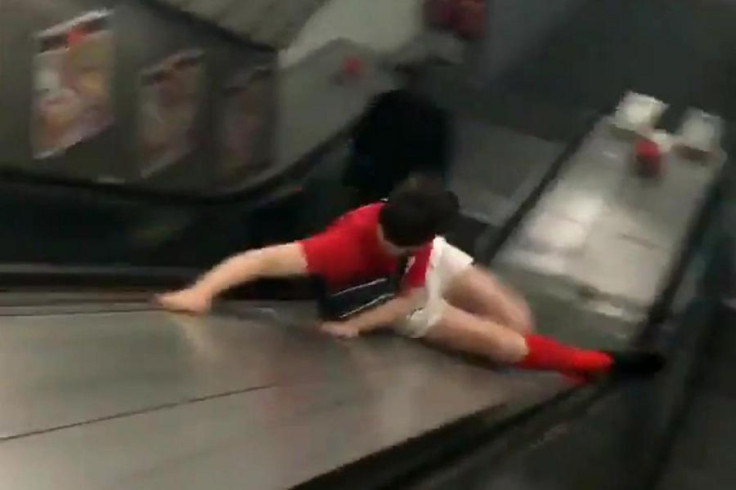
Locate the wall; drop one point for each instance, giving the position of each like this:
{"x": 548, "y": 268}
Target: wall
{"x": 516, "y": 27}
{"x": 144, "y": 34}
{"x": 381, "y": 24}
{"x": 682, "y": 52}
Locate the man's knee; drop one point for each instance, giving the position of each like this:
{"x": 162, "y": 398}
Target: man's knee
{"x": 519, "y": 316}
{"x": 460, "y": 330}
{"x": 477, "y": 290}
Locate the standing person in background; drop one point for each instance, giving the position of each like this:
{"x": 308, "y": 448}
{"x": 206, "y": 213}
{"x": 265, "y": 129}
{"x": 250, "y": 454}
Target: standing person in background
{"x": 401, "y": 133}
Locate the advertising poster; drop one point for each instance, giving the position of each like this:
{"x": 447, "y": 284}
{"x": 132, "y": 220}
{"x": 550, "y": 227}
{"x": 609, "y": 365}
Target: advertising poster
{"x": 72, "y": 76}
{"x": 246, "y": 102}
{"x": 170, "y": 98}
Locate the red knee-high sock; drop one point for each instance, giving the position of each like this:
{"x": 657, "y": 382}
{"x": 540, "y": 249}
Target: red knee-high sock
{"x": 548, "y": 354}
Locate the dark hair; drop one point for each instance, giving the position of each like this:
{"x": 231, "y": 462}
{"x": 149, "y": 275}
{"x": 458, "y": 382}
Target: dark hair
{"x": 418, "y": 210}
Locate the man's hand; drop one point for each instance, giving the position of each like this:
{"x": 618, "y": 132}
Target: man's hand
{"x": 522, "y": 320}
{"x": 189, "y": 301}
{"x": 341, "y": 330}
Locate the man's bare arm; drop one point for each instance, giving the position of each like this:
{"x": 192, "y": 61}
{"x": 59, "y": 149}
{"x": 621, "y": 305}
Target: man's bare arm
{"x": 270, "y": 262}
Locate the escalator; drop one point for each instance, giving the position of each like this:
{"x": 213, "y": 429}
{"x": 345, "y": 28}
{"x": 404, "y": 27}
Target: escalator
{"x": 106, "y": 392}
{"x": 152, "y": 400}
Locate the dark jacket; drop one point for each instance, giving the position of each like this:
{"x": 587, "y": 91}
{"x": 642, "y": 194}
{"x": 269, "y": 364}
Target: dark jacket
{"x": 401, "y": 133}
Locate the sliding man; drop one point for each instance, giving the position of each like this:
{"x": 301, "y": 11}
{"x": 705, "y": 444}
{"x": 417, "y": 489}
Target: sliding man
{"x": 441, "y": 297}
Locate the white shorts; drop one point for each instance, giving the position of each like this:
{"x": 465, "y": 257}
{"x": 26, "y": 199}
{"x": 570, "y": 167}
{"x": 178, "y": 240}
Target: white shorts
{"x": 445, "y": 264}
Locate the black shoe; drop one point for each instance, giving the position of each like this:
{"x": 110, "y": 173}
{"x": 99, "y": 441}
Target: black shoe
{"x": 636, "y": 362}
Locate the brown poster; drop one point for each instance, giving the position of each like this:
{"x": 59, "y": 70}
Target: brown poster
{"x": 72, "y": 77}
{"x": 170, "y": 98}
{"x": 246, "y": 103}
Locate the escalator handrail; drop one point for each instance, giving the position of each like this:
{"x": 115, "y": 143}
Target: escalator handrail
{"x": 260, "y": 187}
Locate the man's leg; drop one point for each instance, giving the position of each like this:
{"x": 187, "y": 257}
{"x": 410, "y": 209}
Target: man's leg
{"x": 473, "y": 289}
{"x": 447, "y": 326}
{"x": 464, "y": 332}
{"x": 478, "y": 291}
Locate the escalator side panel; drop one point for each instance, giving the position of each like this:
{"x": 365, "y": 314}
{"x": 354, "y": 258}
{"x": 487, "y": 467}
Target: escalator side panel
{"x": 249, "y": 396}
{"x": 71, "y": 369}
{"x": 603, "y": 238}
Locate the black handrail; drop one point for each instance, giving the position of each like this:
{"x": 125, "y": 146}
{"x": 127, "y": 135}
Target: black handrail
{"x": 262, "y": 186}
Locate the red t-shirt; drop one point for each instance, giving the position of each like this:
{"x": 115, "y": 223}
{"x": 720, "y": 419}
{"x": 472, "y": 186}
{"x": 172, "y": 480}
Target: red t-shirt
{"x": 349, "y": 252}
